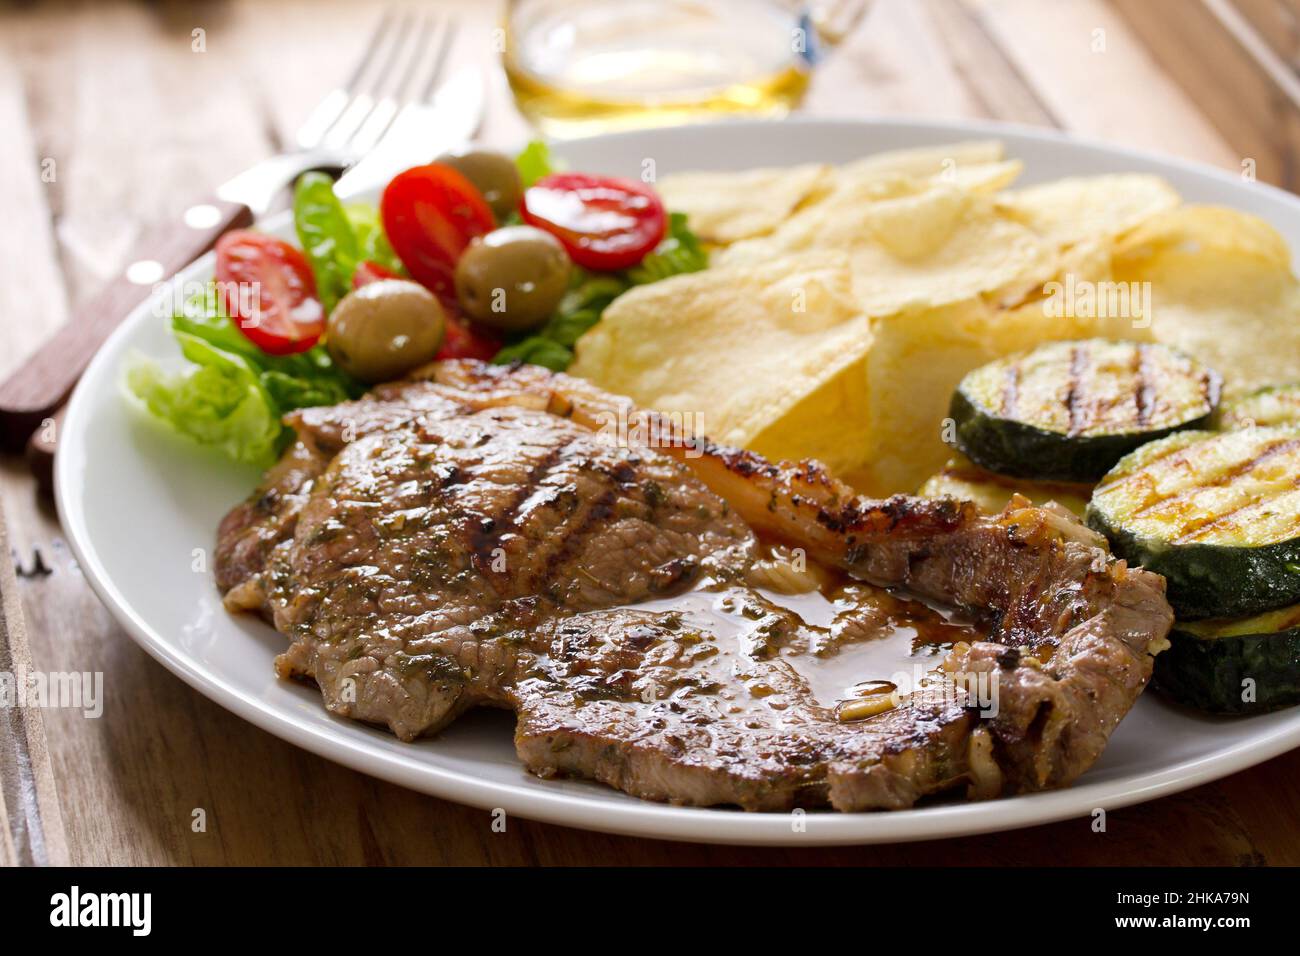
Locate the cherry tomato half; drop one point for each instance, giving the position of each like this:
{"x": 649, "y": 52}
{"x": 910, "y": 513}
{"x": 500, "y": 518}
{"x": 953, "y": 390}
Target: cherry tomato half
{"x": 269, "y": 291}
{"x": 430, "y": 215}
{"x": 603, "y": 222}
{"x": 462, "y": 340}
{"x": 367, "y": 272}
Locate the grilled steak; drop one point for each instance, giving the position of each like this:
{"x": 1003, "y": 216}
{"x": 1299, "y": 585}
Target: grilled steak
{"x": 485, "y": 537}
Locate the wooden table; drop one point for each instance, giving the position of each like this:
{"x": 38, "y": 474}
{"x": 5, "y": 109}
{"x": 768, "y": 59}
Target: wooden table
{"x": 113, "y": 114}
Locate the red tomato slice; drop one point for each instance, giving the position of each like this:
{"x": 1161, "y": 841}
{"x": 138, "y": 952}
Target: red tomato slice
{"x": 430, "y": 215}
{"x": 603, "y": 222}
{"x": 367, "y": 272}
{"x": 269, "y": 291}
{"x": 463, "y": 341}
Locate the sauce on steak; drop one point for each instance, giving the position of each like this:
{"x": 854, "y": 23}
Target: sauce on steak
{"x": 480, "y": 539}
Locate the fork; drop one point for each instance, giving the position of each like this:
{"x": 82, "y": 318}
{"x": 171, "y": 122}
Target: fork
{"x": 391, "y": 112}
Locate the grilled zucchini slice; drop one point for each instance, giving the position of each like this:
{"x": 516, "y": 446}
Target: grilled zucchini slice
{"x": 1271, "y": 405}
{"x": 1068, "y": 411}
{"x": 1243, "y": 666}
{"x": 962, "y": 478}
{"x": 1217, "y": 513}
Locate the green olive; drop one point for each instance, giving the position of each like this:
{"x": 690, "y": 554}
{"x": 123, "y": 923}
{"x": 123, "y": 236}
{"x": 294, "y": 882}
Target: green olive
{"x": 512, "y": 278}
{"x": 492, "y": 174}
{"x": 384, "y": 329}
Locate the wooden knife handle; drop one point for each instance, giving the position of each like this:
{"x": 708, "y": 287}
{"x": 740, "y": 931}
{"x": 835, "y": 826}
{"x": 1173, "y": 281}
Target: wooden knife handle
{"x": 45, "y": 380}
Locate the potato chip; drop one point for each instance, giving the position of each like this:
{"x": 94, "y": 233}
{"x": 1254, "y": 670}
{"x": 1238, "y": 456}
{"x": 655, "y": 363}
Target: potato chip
{"x": 934, "y": 245}
{"x": 984, "y": 178}
{"x": 828, "y": 424}
{"x": 1070, "y": 211}
{"x": 1075, "y": 306}
{"x": 922, "y": 163}
{"x": 725, "y": 207}
{"x": 1198, "y": 230}
{"x": 739, "y": 347}
{"x": 917, "y": 357}
{"x": 1221, "y": 289}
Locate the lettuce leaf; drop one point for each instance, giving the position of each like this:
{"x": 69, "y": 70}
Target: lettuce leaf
{"x": 233, "y": 395}
{"x": 326, "y": 236}
{"x": 533, "y": 162}
{"x": 336, "y": 238}
{"x": 536, "y": 350}
{"x": 679, "y": 251}
{"x": 314, "y": 372}
{"x": 218, "y": 402}
{"x": 371, "y": 239}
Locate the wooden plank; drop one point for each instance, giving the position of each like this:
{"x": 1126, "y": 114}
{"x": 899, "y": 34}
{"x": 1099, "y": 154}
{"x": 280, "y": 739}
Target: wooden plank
{"x": 1278, "y": 24}
{"x": 173, "y": 121}
{"x": 874, "y": 70}
{"x": 999, "y": 88}
{"x": 27, "y": 243}
{"x": 1095, "y": 77}
{"x": 29, "y": 310}
{"x": 1251, "y": 95}
{"x": 31, "y": 823}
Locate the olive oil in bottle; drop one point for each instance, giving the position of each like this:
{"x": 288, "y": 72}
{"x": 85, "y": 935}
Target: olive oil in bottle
{"x": 584, "y": 66}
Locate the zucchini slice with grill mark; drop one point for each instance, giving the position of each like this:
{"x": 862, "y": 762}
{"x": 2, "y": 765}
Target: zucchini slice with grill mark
{"x": 1243, "y": 666}
{"x": 1271, "y": 405}
{"x": 1217, "y": 513}
{"x": 1068, "y": 411}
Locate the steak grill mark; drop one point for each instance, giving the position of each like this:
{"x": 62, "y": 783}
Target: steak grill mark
{"x": 708, "y": 699}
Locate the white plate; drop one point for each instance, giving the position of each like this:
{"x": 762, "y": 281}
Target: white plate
{"x": 140, "y": 507}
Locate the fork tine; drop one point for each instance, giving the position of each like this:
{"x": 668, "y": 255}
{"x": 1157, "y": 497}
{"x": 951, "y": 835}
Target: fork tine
{"x": 365, "y": 100}
{"x": 415, "y": 99}
{"x": 371, "y": 47}
{"x": 328, "y": 111}
{"x": 413, "y": 64}
{"x": 441, "y": 108}
{"x": 439, "y": 62}
{"x": 381, "y": 118}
